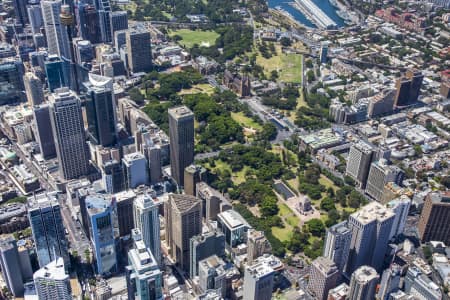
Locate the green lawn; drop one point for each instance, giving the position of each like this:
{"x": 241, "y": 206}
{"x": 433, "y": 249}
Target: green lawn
{"x": 245, "y": 121}
{"x": 325, "y": 181}
{"x": 289, "y": 66}
{"x": 204, "y": 88}
{"x": 283, "y": 234}
{"x": 191, "y": 37}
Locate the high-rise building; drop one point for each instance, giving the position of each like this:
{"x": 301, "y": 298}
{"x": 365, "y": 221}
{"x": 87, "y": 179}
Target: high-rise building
{"x": 390, "y": 282}
{"x": 101, "y": 110}
{"x": 324, "y": 52}
{"x": 43, "y": 131}
{"x": 337, "y": 244}
{"x": 11, "y": 81}
{"x": 181, "y": 132}
{"x": 363, "y": 283}
{"x": 33, "y": 89}
{"x": 258, "y": 282}
{"x": 358, "y": 163}
{"x": 135, "y": 169}
{"x": 257, "y": 245}
{"x": 104, "y": 11}
{"x": 35, "y": 17}
{"x": 10, "y": 264}
{"x": 88, "y": 22}
{"x": 57, "y": 72}
{"x": 20, "y": 11}
{"x": 144, "y": 278}
{"x": 113, "y": 177}
{"x": 146, "y": 219}
{"x": 193, "y": 174}
{"x": 234, "y": 226}
{"x": 435, "y": 217}
{"x": 183, "y": 215}
{"x": 400, "y": 206}
{"x": 68, "y": 130}
{"x": 379, "y": 175}
{"x": 205, "y": 245}
{"x": 57, "y": 38}
{"x": 323, "y": 276}
{"x": 100, "y": 210}
{"x": 424, "y": 288}
{"x": 371, "y": 227}
{"x": 83, "y": 51}
{"x": 213, "y": 201}
{"x": 339, "y": 293}
{"x": 125, "y": 214}
{"x": 408, "y": 88}
{"x": 119, "y": 21}
{"x": 52, "y": 282}
{"x": 154, "y": 163}
{"x": 44, "y": 214}
{"x": 139, "y": 50}
{"x": 212, "y": 273}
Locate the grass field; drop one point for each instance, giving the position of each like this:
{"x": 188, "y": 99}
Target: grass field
{"x": 191, "y": 37}
{"x": 245, "y": 121}
{"x": 205, "y": 88}
{"x": 323, "y": 180}
{"x": 290, "y": 221}
{"x": 283, "y": 234}
{"x": 289, "y": 66}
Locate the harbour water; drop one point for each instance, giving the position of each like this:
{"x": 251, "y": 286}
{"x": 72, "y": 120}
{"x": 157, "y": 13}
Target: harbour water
{"x": 325, "y": 5}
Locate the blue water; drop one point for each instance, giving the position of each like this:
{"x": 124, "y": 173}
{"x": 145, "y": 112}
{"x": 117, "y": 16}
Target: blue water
{"x": 324, "y": 5}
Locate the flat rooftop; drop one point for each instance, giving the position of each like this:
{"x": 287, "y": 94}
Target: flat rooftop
{"x": 232, "y": 219}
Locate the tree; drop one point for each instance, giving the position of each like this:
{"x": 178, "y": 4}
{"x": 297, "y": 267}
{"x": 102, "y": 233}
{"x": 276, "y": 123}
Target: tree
{"x": 274, "y": 75}
{"x": 310, "y": 77}
{"x": 136, "y": 95}
{"x": 268, "y": 206}
{"x": 355, "y": 199}
{"x": 269, "y": 132}
{"x": 327, "y": 204}
{"x": 316, "y": 227}
{"x": 445, "y": 181}
{"x": 333, "y": 218}
{"x": 285, "y": 41}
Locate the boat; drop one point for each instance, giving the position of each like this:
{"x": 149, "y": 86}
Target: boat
{"x": 334, "y": 3}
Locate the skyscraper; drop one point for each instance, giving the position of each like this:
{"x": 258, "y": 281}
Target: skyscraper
{"x": 337, "y": 244}
{"x": 363, "y": 283}
{"x": 408, "y": 88}
{"x": 101, "y": 226}
{"x": 57, "y": 72}
{"x": 358, "y": 163}
{"x": 324, "y": 52}
{"x": 435, "y": 217}
{"x": 144, "y": 278}
{"x": 113, "y": 177}
{"x": 33, "y": 89}
{"x": 57, "y": 38}
{"x": 212, "y": 273}
{"x": 257, "y": 245}
{"x": 193, "y": 174}
{"x": 35, "y": 17}
{"x": 390, "y": 282}
{"x": 258, "y": 282}
{"x": 124, "y": 204}
{"x": 20, "y": 11}
{"x": 43, "y": 131}
{"x": 139, "y": 50}
{"x": 46, "y": 223}
{"x": 183, "y": 215}
{"x": 11, "y": 82}
{"x": 135, "y": 170}
{"x": 146, "y": 219}
{"x": 52, "y": 282}
{"x": 68, "y": 130}
{"x": 203, "y": 246}
{"x": 88, "y": 22}
{"x": 323, "y": 276}
{"x": 104, "y": 11}
{"x": 371, "y": 228}
{"x": 400, "y": 206}
{"x": 10, "y": 264}
{"x": 119, "y": 21}
{"x": 181, "y": 132}
{"x": 379, "y": 175}
{"x": 101, "y": 110}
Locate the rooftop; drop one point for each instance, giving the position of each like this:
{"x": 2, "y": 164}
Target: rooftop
{"x": 365, "y": 274}
{"x": 180, "y": 112}
{"x": 232, "y": 219}
{"x": 371, "y": 212}
{"x": 259, "y": 270}
{"x": 53, "y": 271}
{"x": 183, "y": 202}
